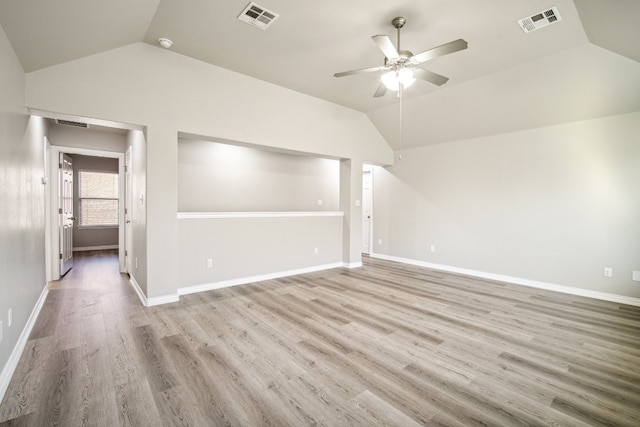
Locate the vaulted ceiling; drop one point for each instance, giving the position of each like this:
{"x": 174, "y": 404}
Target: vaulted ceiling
{"x": 584, "y": 66}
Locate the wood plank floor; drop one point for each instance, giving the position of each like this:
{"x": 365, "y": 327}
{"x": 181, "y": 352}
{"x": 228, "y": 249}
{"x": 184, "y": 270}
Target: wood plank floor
{"x": 387, "y": 344}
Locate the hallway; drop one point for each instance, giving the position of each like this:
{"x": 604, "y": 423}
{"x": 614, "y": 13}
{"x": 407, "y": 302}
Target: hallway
{"x": 66, "y": 362}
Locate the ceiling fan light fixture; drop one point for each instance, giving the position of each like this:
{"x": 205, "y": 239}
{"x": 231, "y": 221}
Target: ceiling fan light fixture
{"x": 394, "y": 78}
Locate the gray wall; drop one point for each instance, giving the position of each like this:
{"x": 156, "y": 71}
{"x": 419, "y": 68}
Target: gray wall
{"x": 136, "y": 141}
{"x": 194, "y": 98}
{"x": 216, "y": 177}
{"x": 555, "y": 204}
{"x": 93, "y": 138}
{"x": 22, "y": 221}
{"x": 97, "y": 236}
{"x": 246, "y": 247}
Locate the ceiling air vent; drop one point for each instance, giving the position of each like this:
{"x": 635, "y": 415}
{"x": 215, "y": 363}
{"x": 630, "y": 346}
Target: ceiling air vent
{"x": 539, "y": 20}
{"x": 258, "y": 16}
{"x": 71, "y": 123}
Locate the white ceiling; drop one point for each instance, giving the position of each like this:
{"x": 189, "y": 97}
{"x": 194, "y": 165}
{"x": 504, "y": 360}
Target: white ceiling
{"x": 587, "y": 65}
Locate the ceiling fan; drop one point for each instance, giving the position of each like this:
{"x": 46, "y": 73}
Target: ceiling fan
{"x": 401, "y": 66}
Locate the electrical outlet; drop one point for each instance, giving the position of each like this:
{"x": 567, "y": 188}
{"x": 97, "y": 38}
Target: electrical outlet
{"x": 432, "y": 248}
{"x": 635, "y": 276}
{"x": 608, "y": 272}
{"x": 209, "y": 263}
{"x": 136, "y": 263}
{"x": 319, "y": 202}
{"x": 9, "y": 317}
{"x": 379, "y": 241}
{"x": 315, "y": 251}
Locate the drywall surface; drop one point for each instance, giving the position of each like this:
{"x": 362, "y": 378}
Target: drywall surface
{"x": 554, "y": 204}
{"x": 215, "y": 177}
{"x": 22, "y": 221}
{"x": 68, "y": 136}
{"x": 247, "y": 247}
{"x": 138, "y": 145}
{"x": 170, "y": 93}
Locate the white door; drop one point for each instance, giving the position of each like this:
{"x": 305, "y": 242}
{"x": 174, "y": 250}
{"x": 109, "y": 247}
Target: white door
{"x": 127, "y": 210}
{"x": 65, "y": 210}
{"x": 367, "y": 207}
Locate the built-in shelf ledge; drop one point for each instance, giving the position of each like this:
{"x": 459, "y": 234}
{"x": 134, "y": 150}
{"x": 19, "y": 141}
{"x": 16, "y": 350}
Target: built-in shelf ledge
{"x": 218, "y": 215}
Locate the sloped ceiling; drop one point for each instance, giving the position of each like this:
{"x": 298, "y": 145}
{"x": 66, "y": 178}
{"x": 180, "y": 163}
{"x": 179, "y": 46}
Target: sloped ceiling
{"x": 584, "y": 66}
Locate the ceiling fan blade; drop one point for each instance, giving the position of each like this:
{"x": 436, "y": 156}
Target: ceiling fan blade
{"x": 382, "y": 89}
{"x": 360, "y": 71}
{"x": 444, "y": 49}
{"x": 385, "y": 45}
{"x": 430, "y": 76}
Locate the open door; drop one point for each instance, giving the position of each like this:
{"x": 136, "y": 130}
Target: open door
{"x": 65, "y": 210}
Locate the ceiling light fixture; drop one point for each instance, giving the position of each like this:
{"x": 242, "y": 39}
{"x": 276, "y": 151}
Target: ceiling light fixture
{"x": 394, "y": 78}
{"x": 165, "y": 43}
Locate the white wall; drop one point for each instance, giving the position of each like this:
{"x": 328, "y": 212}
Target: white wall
{"x": 216, "y": 177}
{"x": 22, "y": 221}
{"x": 555, "y": 204}
{"x": 170, "y": 93}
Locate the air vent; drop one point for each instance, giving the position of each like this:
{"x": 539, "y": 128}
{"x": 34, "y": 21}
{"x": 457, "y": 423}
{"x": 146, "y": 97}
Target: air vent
{"x": 539, "y": 20}
{"x": 258, "y": 16}
{"x": 71, "y": 123}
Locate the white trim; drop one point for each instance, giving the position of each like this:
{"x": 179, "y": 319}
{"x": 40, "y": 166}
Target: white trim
{"x": 517, "y": 281}
{"x": 150, "y": 302}
{"x": 94, "y": 248}
{"x": 352, "y": 264}
{"x": 218, "y": 215}
{"x": 164, "y": 299}
{"x": 252, "y": 279}
{"x": 14, "y": 358}
{"x": 136, "y": 287}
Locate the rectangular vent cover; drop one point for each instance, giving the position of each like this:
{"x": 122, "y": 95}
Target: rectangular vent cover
{"x": 71, "y": 123}
{"x": 258, "y": 16}
{"x": 539, "y": 20}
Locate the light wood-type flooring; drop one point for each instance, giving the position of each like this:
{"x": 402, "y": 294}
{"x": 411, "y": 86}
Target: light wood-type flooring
{"x": 387, "y": 344}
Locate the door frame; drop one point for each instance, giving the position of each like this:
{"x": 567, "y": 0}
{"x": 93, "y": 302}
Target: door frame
{"x": 53, "y": 231}
{"x": 368, "y": 169}
{"x": 128, "y": 205}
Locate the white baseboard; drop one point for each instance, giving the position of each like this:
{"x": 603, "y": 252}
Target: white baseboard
{"x": 95, "y": 248}
{"x": 252, "y": 279}
{"x": 516, "y": 280}
{"x": 14, "y": 358}
{"x": 150, "y": 302}
{"x": 352, "y": 264}
{"x": 164, "y": 299}
{"x": 136, "y": 287}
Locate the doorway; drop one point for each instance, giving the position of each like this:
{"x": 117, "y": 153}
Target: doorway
{"x": 58, "y": 242}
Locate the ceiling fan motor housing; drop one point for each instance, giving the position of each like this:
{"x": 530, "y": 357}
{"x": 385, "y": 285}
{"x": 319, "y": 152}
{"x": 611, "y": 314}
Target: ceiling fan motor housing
{"x": 399, "y": 22}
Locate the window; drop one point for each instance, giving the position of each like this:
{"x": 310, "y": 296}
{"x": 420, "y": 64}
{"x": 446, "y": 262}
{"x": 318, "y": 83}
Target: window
{"x": 98, "y": 198}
